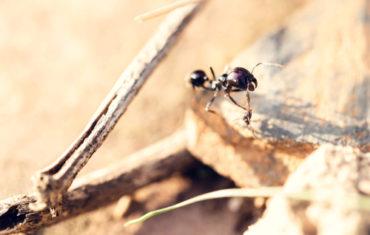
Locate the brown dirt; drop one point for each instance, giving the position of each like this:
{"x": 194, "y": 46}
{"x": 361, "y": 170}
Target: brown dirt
{"x": 59, "y": 59}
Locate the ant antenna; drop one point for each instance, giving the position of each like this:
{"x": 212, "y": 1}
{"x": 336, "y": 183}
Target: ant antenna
{"x": 164, "y": 9}
{"x": 267, "y": 64}
{"x": 213, "y": 73}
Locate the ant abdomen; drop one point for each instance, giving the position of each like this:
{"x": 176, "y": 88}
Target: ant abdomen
{"x": 198, "y": 78}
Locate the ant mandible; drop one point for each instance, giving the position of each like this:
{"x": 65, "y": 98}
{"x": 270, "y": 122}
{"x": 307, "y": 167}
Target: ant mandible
{"x": 237, "y": 80}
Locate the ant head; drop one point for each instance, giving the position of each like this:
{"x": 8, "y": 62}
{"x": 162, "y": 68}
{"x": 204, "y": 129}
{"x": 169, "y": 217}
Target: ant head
{"x": 198, "y": 78}
{"x": 241, "y": 78}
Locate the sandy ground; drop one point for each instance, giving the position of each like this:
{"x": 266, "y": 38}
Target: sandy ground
{"x": 58, "y": 59}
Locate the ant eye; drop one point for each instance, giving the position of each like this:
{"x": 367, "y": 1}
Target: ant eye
{"x": 197, "y": 78}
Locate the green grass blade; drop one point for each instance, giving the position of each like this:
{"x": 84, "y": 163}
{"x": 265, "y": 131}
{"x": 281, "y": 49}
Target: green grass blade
{"x": 357, "y": 202}
{"x": 225, "y": 193}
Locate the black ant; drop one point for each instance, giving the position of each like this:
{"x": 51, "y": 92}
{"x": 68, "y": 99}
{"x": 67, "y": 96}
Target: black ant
{"x": 237, "y": 80}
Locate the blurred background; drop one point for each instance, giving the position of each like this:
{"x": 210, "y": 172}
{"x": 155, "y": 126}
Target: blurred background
{"x": 58, "y": 60}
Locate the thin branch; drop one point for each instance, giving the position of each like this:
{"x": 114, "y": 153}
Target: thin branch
{"x": 53, "y": 181}
{"x": 101, "y": 187}
{"x": 164, "y": 9}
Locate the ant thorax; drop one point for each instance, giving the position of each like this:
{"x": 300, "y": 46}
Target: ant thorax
{"x": 220, "y": 83}
{"x": 223, "y": 78}
{"x": 216, "y": 85}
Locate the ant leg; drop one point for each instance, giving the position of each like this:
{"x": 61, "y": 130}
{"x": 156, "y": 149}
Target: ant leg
{"x": 227, "y": 94}
{"x": 248, "y": 101}
{"x": 236, "y": 90}
{"x": 248, "y": 116}
{"x": 210, "y": 102}
{"x": 249, "y": 110}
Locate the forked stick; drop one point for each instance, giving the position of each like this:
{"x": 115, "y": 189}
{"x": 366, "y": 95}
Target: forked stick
{"x": 52, "y": 182}
{"x": 102, "y": 187}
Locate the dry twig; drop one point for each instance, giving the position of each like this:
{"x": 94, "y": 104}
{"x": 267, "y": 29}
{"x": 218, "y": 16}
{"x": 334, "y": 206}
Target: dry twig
{"x": 164, "y": 9}
{"x": 102, "y": 187}
{"x": 54, "y": 181}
